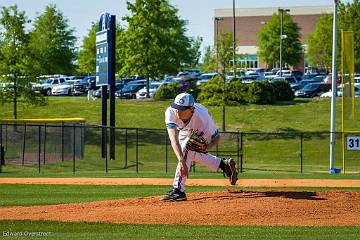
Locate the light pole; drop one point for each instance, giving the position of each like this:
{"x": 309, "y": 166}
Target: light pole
{"x": 217, "y": 19}
{"x": 282, "y": 36}
{"x": 234, "y": 40}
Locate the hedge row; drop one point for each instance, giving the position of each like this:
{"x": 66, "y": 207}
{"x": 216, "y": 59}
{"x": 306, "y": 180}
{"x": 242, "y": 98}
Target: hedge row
{"x": 237, "y": 92}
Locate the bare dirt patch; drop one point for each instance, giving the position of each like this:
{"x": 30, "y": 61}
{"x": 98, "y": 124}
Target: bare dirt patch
{"x": 232, "y": 207}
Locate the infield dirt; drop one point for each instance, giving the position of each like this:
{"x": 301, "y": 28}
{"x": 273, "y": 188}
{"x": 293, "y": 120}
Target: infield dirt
{"x": 228, "y": 207}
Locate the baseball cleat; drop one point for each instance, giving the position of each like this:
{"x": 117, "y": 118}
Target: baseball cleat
{"x": 174, "y": 195}
{"x": 230, "y": 171}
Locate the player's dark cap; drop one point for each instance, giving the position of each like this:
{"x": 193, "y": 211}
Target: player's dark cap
{"x": 183, "y": 101}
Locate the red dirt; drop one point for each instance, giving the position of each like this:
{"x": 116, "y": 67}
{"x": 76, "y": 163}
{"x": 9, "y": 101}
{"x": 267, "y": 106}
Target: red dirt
{"x": 231, "y": 207}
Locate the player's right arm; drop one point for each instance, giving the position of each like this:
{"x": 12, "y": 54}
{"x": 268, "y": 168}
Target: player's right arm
{"x": 173, "y": 132}
{"x": 173, "y": 135}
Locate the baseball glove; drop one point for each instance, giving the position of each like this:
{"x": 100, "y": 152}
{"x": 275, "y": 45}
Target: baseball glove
{"x": 197, "y": 142}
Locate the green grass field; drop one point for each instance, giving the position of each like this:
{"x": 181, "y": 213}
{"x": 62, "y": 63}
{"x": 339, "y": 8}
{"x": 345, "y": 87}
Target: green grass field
{"x": 270, "y": 153}
{"x": 61, "y": 230}
{"x": 27, "y": 195}
{"x": 299, "y": 115}
{"x": 302, "y": 115}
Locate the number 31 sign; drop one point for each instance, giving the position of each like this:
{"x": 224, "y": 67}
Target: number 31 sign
{"x": 353, "y": 143}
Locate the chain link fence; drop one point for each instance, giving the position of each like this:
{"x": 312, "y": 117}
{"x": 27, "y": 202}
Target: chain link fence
{"x": 77, "y": 147}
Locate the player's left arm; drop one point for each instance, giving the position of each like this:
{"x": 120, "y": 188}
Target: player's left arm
{"x": 215, "y": 139}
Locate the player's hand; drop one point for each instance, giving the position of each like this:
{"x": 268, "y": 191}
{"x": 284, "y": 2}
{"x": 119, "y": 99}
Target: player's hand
{"x": 184, "y": 169}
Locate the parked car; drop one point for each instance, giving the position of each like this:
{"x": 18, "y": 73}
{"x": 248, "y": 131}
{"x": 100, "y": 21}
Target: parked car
{"x": 81, "y": 86}
{"x": 129, "y": 90}
{"x": 205, "y": 77}
{"x": 294, "y": 84}
{"x": 65, "y": 88}
{"x": 328, "y": 79}
{"x": 44, "y": 86}
{"x": 183, "y": 76}
{"x": 339, "y": 92}
{"x": 309, "y": 76}
{"x": 153, "y": 87}
{"x": 318, "y": 78}
{"x": 303, "y": 83}
{"x": 312, "y": 90}
{"x": 118, "y": 86}
{"x": 356, "y": 91}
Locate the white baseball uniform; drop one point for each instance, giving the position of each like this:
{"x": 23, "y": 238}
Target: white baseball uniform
{"x": 201, "y": 121}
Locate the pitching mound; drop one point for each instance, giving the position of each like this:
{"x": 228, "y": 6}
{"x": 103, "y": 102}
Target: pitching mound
{"x": 295, "y": 208}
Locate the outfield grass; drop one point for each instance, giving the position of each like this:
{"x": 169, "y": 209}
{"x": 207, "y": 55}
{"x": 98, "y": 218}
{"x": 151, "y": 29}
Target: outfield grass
{"x": 299, "y": 115}
{"x": 261, "y": 152}
{"x": 61, "y": 230}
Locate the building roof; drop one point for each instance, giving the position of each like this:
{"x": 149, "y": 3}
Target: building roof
{"x": 251, "y": 12}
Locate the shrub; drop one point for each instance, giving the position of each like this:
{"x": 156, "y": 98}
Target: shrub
{"x": 237, "y": 92}
{"x": 167, "y": 92}
{"x": 283, "y": 91}
{"x": 261, "y": 93}
{"x": 193, "y": 89}
{"x": 211, "y": 93}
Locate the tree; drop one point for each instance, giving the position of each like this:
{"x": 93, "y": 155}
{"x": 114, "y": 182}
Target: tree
{"x": 269, "y": 41}
{"x": 349, "y": 20}
{"x": 16, "y": 65}
{"x": 194, "y": 51}
{"x": 224, "y": 52}
{"x": 320, "y": 41}
{"x": 209, "y": 61}
{"x": 87, "y": 53}
{"x": 319, "y": 51}
{"x": 53, "y": 43}
{"x": 154, "y": 43}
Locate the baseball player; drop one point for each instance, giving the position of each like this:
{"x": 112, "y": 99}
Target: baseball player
{"x": 192, "y": 132}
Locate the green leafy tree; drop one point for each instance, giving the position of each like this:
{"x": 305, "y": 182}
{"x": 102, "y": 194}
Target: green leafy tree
{"x": 320, "y": 41}
{"x": 319, "y": 51}
{"x": 53, "y": 42}
{"x": 269, "y": 41}
{"x": 194, "y": 52}
{"x": 16, "y": 63}
{"x": 209, "y": 60}
{"x": 224, "y": 52}
{"x": 349, "y": 20}
{"x": 87, "y": 53}
{"x": 155, "y": 42}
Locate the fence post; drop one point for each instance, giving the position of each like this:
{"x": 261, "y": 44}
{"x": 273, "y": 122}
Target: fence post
{"x": 238, "y": 151}
{"x": 166, "y": 151}
{"x": 242, "y": 151}
{"x": 137, "y": 150}
{"x": 62, "y": 141}
{"x": 126, "y": 148}
{"x": 1, "y": 133}
{"x": 2, "y": 157}
{"x": 24, "y": 143}
{"x": 73, "y": 148}
{"x": 301, "y": 152}
{"x": 39, "y": 160}
{"x": 44, "y": 156}
{"x": 1, "y": 148}
{"x": 6, "y": 136}
{"x": 106, "y": 153}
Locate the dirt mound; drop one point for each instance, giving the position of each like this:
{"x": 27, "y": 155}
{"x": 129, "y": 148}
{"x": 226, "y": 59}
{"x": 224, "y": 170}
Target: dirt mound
{"x": 295, "y": 208}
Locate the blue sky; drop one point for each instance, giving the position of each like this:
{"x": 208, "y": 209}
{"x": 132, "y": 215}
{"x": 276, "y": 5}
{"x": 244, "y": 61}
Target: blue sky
{"x": 198, "y": 13}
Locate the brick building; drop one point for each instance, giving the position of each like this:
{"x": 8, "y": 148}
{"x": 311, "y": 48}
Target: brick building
{"x": 248, "y": 21}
